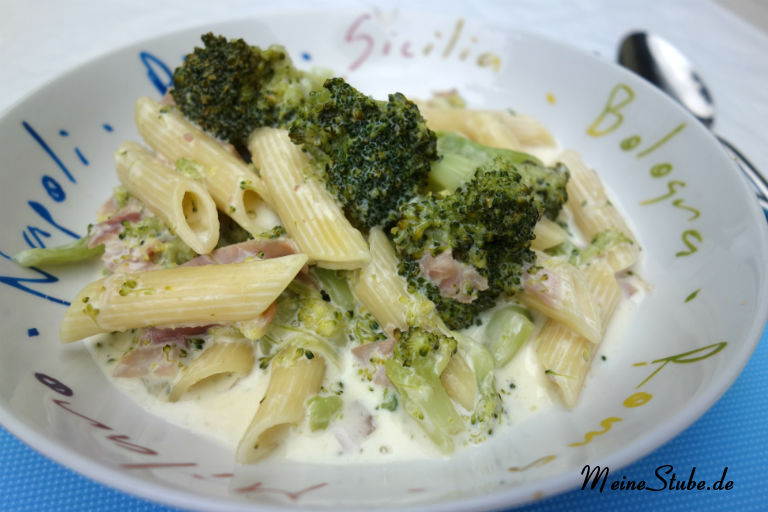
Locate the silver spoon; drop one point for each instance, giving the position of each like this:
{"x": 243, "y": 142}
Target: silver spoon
{"x": 663, "y": 65}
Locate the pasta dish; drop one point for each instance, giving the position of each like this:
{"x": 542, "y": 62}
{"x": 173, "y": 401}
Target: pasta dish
{"x": 335, "y": 264}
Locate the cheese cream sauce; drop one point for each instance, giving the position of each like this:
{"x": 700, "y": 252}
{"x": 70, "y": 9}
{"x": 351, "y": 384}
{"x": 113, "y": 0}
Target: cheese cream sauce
{"x": 364, "y": 433}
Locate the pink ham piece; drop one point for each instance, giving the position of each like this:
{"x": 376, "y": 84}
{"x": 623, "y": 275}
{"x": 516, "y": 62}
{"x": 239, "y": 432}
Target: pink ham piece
{"x": 149, "y": 360}
{"x": 256, "y": 248}
{"x": 110, "y": 228}
{"x": 455, "y": 279}
{"x": 353, "y": 427}
{"x": 175, "y": 335}
{"x": 546, "y": 286}
{"x": 364, "y": 353}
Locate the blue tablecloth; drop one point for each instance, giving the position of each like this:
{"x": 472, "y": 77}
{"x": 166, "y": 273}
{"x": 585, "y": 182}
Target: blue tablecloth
{"x": 733, "y": 434}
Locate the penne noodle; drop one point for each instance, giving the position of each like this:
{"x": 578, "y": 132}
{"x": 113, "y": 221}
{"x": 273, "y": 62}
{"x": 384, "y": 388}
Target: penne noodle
{"x": 237, "y": 190}
{"x": 179, "y": 296}
{"x": 565, "y": 355}
{"x": 283, "y": 406}
{"x": 593, "y": 212}
{"x": 183, "y": 204}
{"x": 235, "y": 357}
{"x": 459, "y": 382}
{"x": 379, "y": 287}
{"x": 385, "y": 293}
{"x": 491, "y": 128}
{"x": 559, "y": 291}
{"x": 548, "y": 234}
{"x": 308, "y": 211}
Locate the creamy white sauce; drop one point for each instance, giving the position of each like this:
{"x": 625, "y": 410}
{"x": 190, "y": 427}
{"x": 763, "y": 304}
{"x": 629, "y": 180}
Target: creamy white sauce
{"x": 224, "y": 409}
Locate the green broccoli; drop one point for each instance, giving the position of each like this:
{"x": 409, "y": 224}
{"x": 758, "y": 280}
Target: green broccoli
{"x": 230, "y": 88}
{"x": 487, "y": 223}
{"x": 460, "y": 157}
{"x": 375, "y": 155}
{"x": 323, "y": 312}
{"x": 63, "y": 254}
{"x": 488, "y": 405}
{"x": 414, "y": 370}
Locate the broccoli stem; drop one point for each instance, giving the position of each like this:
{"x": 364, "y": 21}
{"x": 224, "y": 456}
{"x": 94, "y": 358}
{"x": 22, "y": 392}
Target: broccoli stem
{"x": 336, "y": 285}
{"x": 507, "y": 330}
{"x": 67, "y": 253}
{"x": 321, "y": 410}
{"x": 424, "y": 398}
{"x": 460, "y": 158}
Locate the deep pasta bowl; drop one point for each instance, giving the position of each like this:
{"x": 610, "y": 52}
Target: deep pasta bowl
{"x": 666, "y": 359}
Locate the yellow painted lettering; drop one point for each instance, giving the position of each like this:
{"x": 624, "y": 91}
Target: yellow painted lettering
{"x": 489, "y": 60}
{"x": 611, "y": 117}
{"x": 606, "y": 424}
{"x": 630, "y": 143}
{"x": 687, "y": 235}
{"x": 638, "y": 399}
{"x": 680, "y": 203}
{"x": 538, "y": 462}
{"x": 666, "y": 138}
{"x": 672, "y": 187}
{"x": 685, "y": 358}
{"x": 661, "y": 170}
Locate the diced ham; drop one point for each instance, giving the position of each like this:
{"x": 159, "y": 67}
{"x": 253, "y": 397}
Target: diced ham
{"x": 380, "y": 377}
{"x": 149, "y": 360}
{"x": 257, "y": 327}
{"x": 256, "y": 248}
{"x": 363, "y": 353}
{"x": 545, "y": 285}
{"x": 110, "y": 228}
{"x": 353, "y": 427}
{"x": 107, "y": 209}
{"x": 167, "y": 98}
{"x": 455, "y": 279}
{"x": 175, "y": 335}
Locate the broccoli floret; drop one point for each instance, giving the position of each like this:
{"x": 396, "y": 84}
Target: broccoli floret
{"x": 230, "y": 88}
{"x": 460, "y": 157}
{"x": 418, "y": 360}
{"x": 486, "y": 223}
{"x": 313, "y": 312}
{"x": 323, "y": 311}
{"x": 375, "y": 155}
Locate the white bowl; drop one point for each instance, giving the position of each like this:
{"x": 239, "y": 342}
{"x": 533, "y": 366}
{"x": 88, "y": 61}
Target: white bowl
{"x": 699, "y": 226}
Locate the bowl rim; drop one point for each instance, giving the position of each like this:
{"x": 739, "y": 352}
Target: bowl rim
{"x": 101, "y": 472}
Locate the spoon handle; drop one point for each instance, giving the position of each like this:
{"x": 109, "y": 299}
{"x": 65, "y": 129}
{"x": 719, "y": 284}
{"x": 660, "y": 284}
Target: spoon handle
{"x": 758, "y": 181}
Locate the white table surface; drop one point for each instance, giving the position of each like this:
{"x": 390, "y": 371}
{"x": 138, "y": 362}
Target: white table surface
{"x": 41, "y": 39}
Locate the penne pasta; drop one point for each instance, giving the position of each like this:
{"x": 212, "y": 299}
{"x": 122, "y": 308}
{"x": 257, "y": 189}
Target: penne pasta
{"x": 237, "y": 190}
{"x": 548, "y": 234}
{"x": 180, "y": 202}
{"x": 459, "y": 382}
{"x": 565, "y": 355}
{"x": 308, "y": 211}
{"x": 559, "y": 291}
{"x": 379, "y": 287}
{"x": 414, "y": 321}
{"x": 180, "y": 296}
{"x": 594, "y": 213}
{"x": 384, "y": 292}
{"x": 491, "y": 128}
{"x": 221, "y": 358}
{"x": 291, "y": 383}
